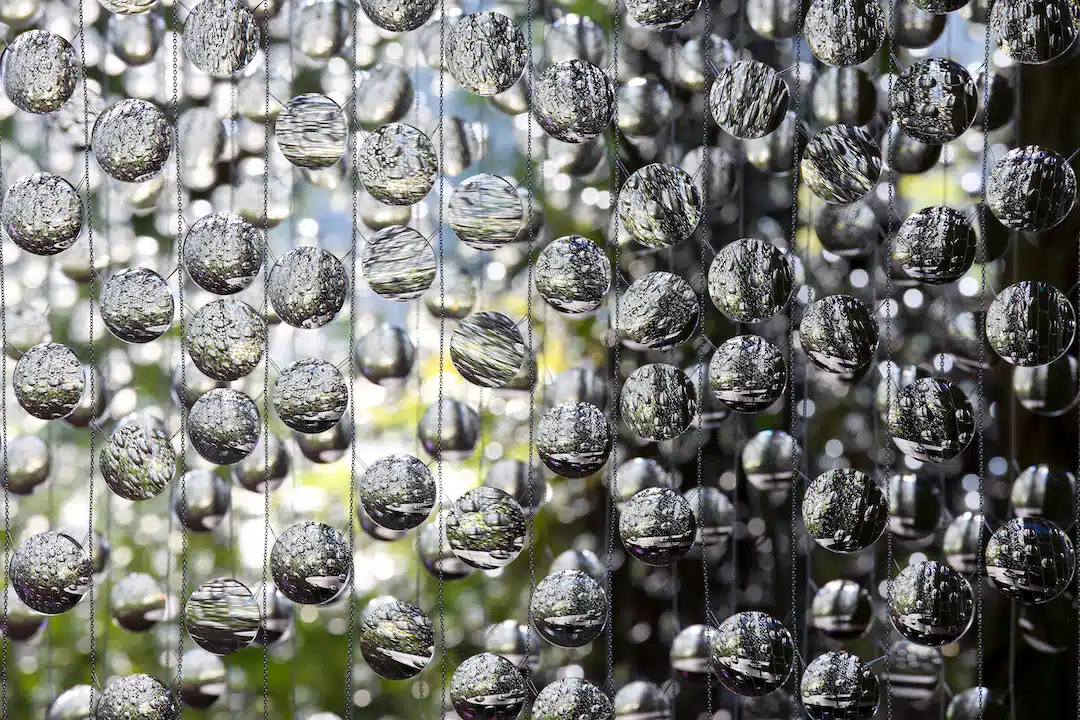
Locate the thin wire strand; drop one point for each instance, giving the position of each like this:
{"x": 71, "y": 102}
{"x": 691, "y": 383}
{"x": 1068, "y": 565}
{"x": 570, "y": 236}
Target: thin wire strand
{"x": 94, "y": 684}
{"x": 355, "y": 230}
{"x": 886, "y": 265}
{"x": 532, "y": 354}
{"x": 981, "y": 378}
{"x": 4, "y": 441}
{"x": 175, "y": 23}
{"x": 706, "y": 177}
{"x": 793, "y": 406}
{"x": 266, "y": 372}
{"x": 616, "y": 370}
{"x": 442, "y": 360}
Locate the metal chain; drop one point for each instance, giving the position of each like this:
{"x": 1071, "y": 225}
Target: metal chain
{"x": 353, "y": 126}
{"x": 616, "y": 370}
{"x": 442, "y": 360}
{"x": 90, "y": 356}
{"x": 531, "y": 356}
{"x": 980, "y": 386}
{"x": 702, "y": 349}
{"x": 266, "y": 365}
{"x": 4, "y": 440}
{"x": 793, "y": 406}
{"x": 183, "y": 351}
{"x": 886, "y": 265}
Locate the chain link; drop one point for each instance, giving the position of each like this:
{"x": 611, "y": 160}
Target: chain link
{"x": 4, "y": 440}
{"x": 702, "y": 351}
{"x": 793, "y": 411}
{"x": 886, "y": 265}
{"x": 616, "y": 369}
{"x": 531, "y": 356}
{"x": 352, "y": 365}
{"x": 266, "y": 364}
{"x": 175, "y": 23}
{"x": 442, "y": 360}
{"x": 981, "y": 379}
{"x": 94, "y": 684}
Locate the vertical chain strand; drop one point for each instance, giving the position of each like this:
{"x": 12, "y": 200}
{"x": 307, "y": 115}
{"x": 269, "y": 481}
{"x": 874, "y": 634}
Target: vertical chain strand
{"x": 886, "y": 266}
{"x": 616, "y": 370}
{"x": 442, "y": 360}
{"x": 266, "y": 367}
{"x": 531, "y": 355}
{"x": 175, "y": 23}
{"x": 793, "y": 405}
{"x": 90, "y": 356}
{"x": 355, "y": 231}
{"x": 981, "y": 379}
{"x": 4, "y": 440}
{"x": 706, "y": 179}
